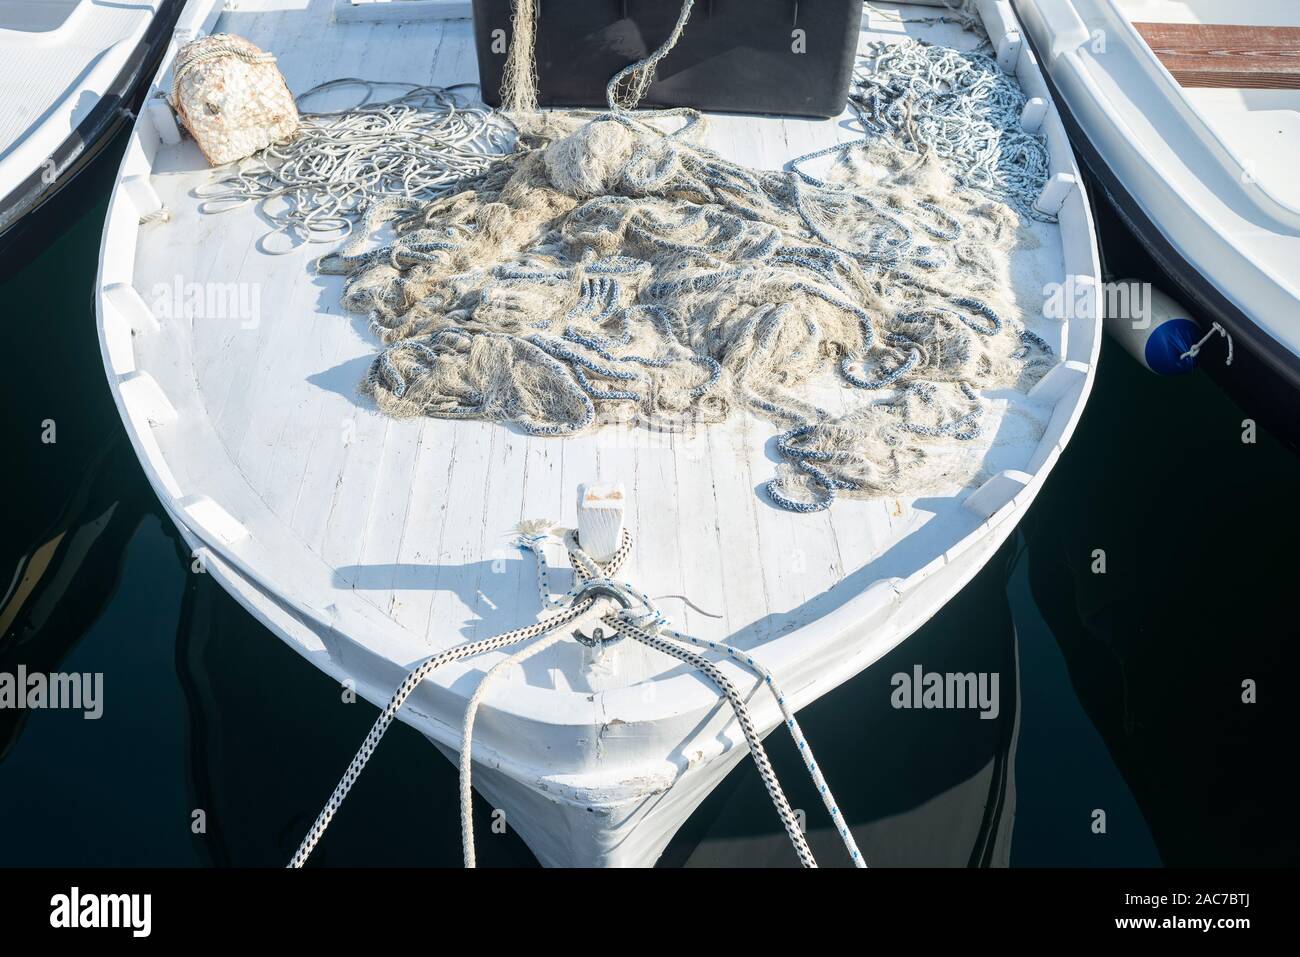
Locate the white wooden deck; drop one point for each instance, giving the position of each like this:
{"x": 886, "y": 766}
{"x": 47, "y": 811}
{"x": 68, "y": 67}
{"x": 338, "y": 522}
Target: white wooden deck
{"x": 414, "y": 518}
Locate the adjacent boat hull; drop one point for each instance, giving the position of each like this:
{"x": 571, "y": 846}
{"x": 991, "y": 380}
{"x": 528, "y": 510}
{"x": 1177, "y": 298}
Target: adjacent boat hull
{"x": 1264, "y": 377}
{"x": 1185, "y": 236}
{"x": 36, "y": 207}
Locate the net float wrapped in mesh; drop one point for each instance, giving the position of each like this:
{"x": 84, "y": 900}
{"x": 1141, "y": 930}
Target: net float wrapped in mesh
{"x": 231, "y": 97}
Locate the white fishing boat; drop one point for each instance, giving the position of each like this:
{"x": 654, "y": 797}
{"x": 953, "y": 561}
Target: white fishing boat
{"x": 375, "y": 545}
{"x": 1187, "y": 113}
{"x": 70, "y": 71}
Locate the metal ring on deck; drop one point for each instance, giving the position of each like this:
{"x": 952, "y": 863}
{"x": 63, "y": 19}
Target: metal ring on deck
{"x": 599, "y": 589}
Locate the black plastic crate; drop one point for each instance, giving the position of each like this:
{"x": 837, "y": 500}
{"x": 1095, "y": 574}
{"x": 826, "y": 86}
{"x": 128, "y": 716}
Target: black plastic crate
{"x": 791, "y": 57}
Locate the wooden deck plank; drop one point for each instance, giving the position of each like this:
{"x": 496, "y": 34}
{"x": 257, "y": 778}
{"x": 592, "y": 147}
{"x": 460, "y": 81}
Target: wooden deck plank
{"x": 1226, "y": 55}
{"x": 620, "y": 453}
{"x": 418, "y": 561}
{"x": 455, "y": 608}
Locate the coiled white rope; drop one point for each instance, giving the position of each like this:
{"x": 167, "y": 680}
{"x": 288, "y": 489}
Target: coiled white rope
{"x": 960, "y": 105}
{"x": 315, "y": 187}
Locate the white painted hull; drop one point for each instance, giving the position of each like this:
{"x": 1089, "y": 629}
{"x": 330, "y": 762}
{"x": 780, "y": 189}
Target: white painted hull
{"x": 626, "y": 822}
{"x": 238, "y": 431}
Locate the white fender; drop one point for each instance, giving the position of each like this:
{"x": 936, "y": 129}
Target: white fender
{"x": 1153, "y": 327}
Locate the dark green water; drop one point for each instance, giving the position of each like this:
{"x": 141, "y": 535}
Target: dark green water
{"x": 1120, "y": 692}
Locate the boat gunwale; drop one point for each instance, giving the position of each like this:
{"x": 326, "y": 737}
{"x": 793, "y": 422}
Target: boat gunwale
{"x": 1286, "y": 213}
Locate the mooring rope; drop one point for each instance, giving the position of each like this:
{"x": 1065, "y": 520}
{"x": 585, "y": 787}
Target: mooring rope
{"x": 655, "y": 625}
{"x": 531, "y": 542}
{"x": 792, "y": 725}
{"x": 407, "y": 688}
{"x": 752, "y": 737}
{"x": 586, "y": 572}
{"x": 467, "y": 738}
{"x": 646, "y": 628}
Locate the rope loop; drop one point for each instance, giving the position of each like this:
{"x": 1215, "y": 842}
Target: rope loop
{"x": 1215, "y": 329}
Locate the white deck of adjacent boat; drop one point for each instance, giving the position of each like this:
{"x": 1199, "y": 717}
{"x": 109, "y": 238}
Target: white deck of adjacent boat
{"x": 1260, "y": 125}
{"x": 396, "y": 535}
{"x": 57, "y": 57}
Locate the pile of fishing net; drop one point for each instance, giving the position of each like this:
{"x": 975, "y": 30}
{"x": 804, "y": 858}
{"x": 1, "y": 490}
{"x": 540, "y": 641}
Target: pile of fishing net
{"x": 612, "y": 270}
{"x": 615, "y": 272}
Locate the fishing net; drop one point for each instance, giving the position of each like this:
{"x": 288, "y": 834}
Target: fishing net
{"x": 614, "y": 271}
{"x": 611, "y": 270}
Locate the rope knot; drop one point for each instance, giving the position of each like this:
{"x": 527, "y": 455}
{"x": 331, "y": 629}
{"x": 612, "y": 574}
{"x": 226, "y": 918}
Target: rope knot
{"x": 1215, "y": 328}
